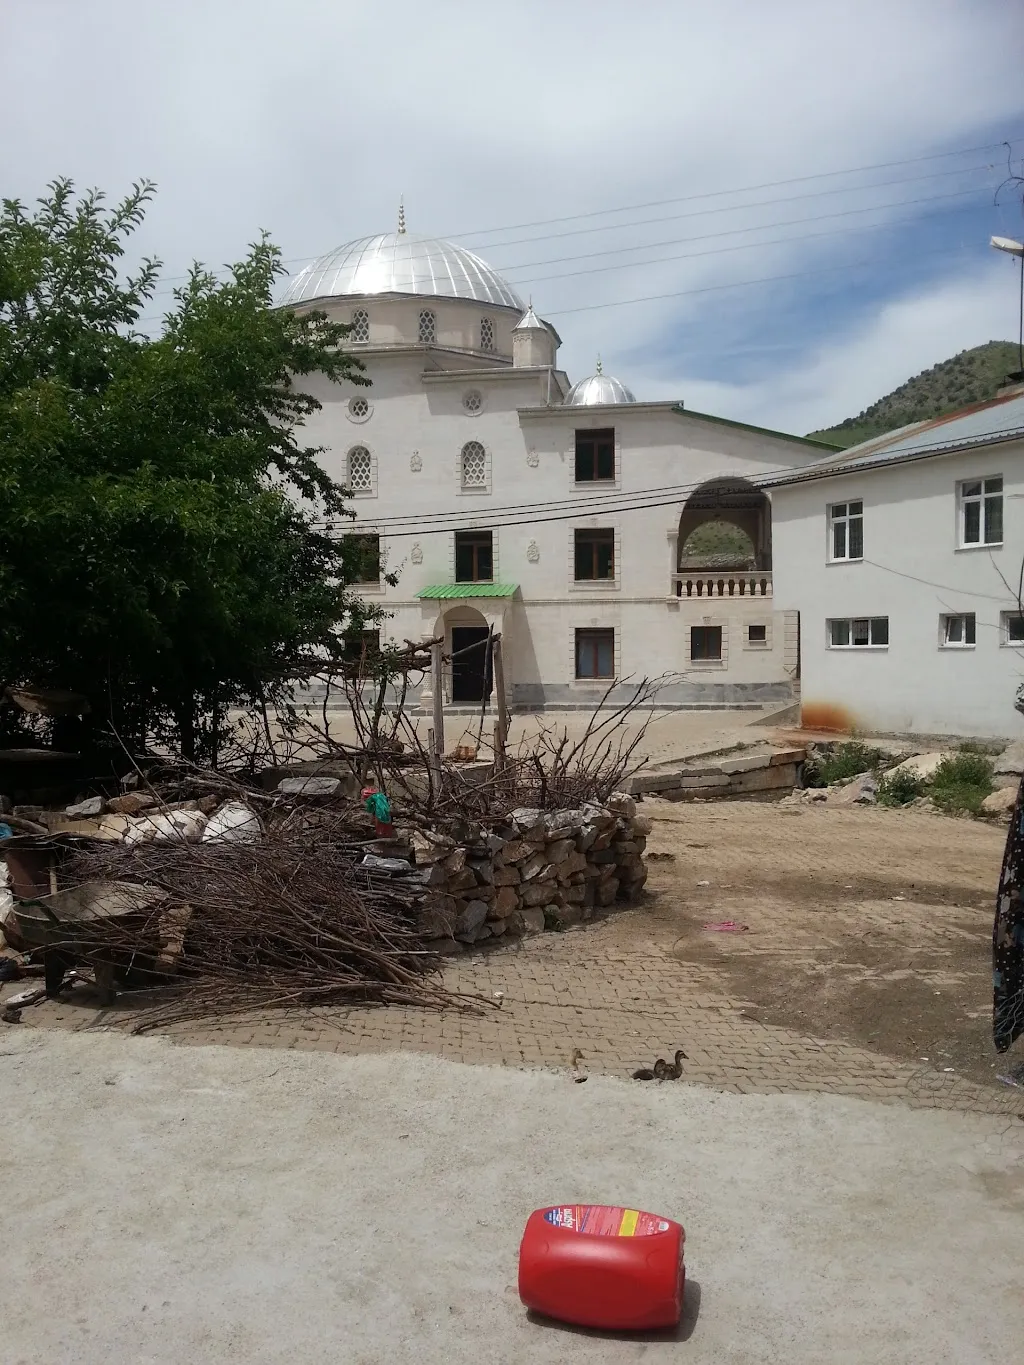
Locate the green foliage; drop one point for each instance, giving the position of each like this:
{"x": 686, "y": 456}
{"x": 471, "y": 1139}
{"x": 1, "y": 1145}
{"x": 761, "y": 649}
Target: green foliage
{"x": 971, "y": 377}
{"x": 164, "y": 545}
{"x": 961, "y": 782}
{"x": 718, "y": 539}
{"x": 842, "y": 761}
{"x": 899, "y": 788}
{"x": 990, "y": 747}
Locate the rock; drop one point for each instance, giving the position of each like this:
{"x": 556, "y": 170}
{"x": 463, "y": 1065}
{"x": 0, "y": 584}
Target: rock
{"x": 455, "y": 861}
{"x": 505, "y": 902}
{"x": 470, "y": 921}
{"x": 483, "y": 872}
{"x": 559, "y": 917}
{"x": 532, "y": 867}
{"x": 560, "y": 822}
{"x": 462, "y": 881}
{"x": 532, "y": 920}
{"x": 575, "y": 895}
{"x": 620, "y": 803}
{"x": 497, "y": 927}
{"x": 309, "y": 786}
{"x": 538, "y": 893}
{"x": 920, "y": 765}
{"x": 606, "y": 891}
{"x": 372, "y": 863}
{"x": 1010, "y": 762}
{"x": 430, "y": 849}
{"x": 517, "y": 851}
{"x": 494, "y": 843}
{"x": 88, "y": 809}
{"x": 178, "y": 826}
{"x": 560, "y": 849}
{"x": 483, "y": 932}
{"x": 506, "y": 876}
{"x": 132, "y": 803}
{"x": 1001, "y": 802}
{"x": 862, "y": 791}
{"x": 527, "y": 822}
{"x": 235, "y": 823}
{"x": 437, "y": 917}
{"x": 641, "y": 826}
{"x": 585, "y": 838}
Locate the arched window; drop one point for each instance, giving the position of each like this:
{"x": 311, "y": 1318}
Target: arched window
{"x": 428, "y": 327}
{"x": 486, "y": 334}
{"x": 360, "y": 470}
{"x": 474, "y": 465}
{"x": 360, "y": 325}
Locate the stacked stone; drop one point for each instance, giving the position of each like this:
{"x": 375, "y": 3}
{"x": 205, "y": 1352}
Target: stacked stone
{"x": 543, "y": 870}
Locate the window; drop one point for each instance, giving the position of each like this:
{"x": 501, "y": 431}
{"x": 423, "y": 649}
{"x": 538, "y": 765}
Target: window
{"x": 360, "y": 470}
{"x": 846, "y": 530}
{"x": 595, "y": 555}
{"x": 1013, "y": 628}
{"x": 595, "y": 455}
{"x": 474, "y": 465}
{"x": 358, "y": 409}
{"x": 861, "y": 632}
{"x": 757, "y": 635}
{"x": 486, "y": 334}
{"x": 595, "y": 654}
{"x": 958, "y": 631}
{"x": 981, "y": 512}
{"x": 362, "y": 647}
{"x": 360, "y": 325}
{"x": 428, "y": 327}
{"x": 365, "y": 551}
{"x": 474, "y": 557}
{"x": 705, "y": 642}
{"x": 473, "y": 401}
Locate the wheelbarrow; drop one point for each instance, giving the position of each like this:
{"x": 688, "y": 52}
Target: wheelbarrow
{"x": 63, "y": 924}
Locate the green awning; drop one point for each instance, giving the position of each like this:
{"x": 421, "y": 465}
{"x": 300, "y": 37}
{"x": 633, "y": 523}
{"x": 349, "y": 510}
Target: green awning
{"x": 457, "y": 590}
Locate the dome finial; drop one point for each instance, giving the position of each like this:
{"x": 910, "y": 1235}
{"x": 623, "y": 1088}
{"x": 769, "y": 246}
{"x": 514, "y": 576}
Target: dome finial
{"x": 401, "y": 216}
{"x": 599, "y": 370}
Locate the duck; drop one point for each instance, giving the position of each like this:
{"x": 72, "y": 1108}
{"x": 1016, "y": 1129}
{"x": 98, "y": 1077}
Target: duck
{"x": 674, "y": 1069}
{"x": 655, "y": 1073}
{"x": 577, "y": 1072}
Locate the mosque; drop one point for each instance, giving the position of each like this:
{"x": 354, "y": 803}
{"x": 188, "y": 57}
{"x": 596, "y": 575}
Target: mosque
{"x": 505, "y": 498}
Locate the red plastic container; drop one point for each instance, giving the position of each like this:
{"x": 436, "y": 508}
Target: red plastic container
{"x": 603, "y": 1266}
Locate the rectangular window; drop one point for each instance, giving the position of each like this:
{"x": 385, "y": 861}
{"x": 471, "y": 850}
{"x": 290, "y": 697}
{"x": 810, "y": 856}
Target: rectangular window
{"x": 474, "y": 558}
{"x": 858, "y": 632}
{"x": 981, "y": 512}
{"x": 595, "y": 455}
{"x": 705, "y": 642}
{"x": 959, "y": 631}
{"x": 362, "y": 647}
{"x": 1013, "y": 628}
{"x": 595, "y": 654}
{"x": 366, "y": 557}
{"x": 846, "y": 530}
{"x": 757, "y": 635}
{"x": 594, "y": 555}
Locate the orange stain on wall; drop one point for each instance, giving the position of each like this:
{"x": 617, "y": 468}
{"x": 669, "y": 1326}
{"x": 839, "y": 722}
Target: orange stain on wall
{"x": 826, "y": 715}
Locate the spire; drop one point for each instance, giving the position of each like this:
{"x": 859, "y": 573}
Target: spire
{"x": 599, "y": 370}
{"x": 401, "y": 216}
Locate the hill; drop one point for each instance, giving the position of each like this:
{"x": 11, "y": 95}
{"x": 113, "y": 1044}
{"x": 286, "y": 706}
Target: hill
{"x": 970, "y": 377}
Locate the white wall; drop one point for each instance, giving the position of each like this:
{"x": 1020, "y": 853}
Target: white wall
{"x": 913, "y": 571}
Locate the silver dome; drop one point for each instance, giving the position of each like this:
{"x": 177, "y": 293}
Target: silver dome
{"x": 598, "y": 389}
{"x": 397, "y": 263}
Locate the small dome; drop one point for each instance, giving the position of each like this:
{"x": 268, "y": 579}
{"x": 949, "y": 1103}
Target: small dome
{"x": 597, "y": 390}
{"x": 397, "y": 263}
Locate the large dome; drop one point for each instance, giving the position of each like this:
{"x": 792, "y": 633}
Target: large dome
{"x": 397, "y": 263}
{"x": 597, "y": 390}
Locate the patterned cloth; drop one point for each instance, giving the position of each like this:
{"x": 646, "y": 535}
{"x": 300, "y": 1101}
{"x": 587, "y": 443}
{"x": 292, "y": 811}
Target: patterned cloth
{"x": 1008, "y": 931}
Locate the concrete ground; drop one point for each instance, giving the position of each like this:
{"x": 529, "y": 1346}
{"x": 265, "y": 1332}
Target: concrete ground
{"x": 166, "y": 1204}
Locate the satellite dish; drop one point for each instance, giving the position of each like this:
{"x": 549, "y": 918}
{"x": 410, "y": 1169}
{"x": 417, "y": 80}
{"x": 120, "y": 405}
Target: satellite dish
{"x": 1008, "y": 245}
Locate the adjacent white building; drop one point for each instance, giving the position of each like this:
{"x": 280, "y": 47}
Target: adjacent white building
{"x": 504, "y": 498}
{"x": 903, "y": 557}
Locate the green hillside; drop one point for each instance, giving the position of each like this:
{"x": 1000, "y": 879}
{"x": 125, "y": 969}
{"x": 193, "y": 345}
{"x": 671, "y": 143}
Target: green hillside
{"x": 970, "y": 377}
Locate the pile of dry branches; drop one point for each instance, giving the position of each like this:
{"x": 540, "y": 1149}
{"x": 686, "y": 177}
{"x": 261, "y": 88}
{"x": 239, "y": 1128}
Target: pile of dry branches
{"x": 290, "y": 921}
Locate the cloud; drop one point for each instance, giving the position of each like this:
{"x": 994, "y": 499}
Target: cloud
{"x": 310, "y": 119}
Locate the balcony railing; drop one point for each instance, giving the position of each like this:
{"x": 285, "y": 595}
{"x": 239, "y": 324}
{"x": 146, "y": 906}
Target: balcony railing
{"x": 709, "y": 583}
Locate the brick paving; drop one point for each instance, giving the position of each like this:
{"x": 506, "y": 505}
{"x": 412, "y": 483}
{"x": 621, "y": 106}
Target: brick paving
{"x": 621, "y": 1007}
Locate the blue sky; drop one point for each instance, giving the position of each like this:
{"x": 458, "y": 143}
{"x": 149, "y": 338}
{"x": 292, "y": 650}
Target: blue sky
{"x": 310, "y": 120}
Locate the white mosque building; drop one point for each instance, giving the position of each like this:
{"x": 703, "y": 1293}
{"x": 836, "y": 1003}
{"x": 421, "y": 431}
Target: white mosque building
{"x": 506, "y": 499}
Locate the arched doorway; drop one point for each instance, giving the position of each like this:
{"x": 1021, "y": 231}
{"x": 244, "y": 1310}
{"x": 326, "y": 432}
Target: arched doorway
{"x": 467, "y": 638}
{"x": 725, "y": 523}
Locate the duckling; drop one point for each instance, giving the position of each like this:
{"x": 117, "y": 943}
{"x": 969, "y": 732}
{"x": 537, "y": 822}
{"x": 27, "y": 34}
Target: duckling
{"x": 655, "y": 1073}
{"x": 674, "y": 1069}
{"x": 577, "y": 1072}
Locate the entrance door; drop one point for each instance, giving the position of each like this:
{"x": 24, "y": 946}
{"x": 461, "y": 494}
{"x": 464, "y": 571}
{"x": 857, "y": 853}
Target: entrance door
{"x": 470, "y": 672}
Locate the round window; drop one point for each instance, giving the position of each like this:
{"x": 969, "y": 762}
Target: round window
{"x": 358, "y": 409}
{"x": 473, "y": 401}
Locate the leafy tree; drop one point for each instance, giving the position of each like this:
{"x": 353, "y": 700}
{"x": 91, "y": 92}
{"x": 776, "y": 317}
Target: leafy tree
{"x": 164, "y": 537}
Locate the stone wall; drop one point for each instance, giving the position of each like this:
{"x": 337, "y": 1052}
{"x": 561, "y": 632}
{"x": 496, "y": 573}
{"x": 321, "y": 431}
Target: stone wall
{"x": 771, "y": 773}
{"x": 542, "y": 870}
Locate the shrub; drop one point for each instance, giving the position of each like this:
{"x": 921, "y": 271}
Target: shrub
{"x": 844, "y": 760}
{"x": 959, "y": 798}
{"x": 964, "y": 769}
{"x": 899, "y": 788}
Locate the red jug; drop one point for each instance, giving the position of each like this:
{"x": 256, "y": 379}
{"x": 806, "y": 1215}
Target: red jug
{"x": 599, "y": 1265}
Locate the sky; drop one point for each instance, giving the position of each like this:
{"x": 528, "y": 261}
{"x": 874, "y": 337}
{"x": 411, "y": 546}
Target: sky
{"x": 774, "y": 212}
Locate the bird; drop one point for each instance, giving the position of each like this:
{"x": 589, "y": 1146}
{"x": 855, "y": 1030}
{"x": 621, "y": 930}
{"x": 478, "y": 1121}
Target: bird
{"x": 577, "y": 1072}
{"x": 674, "y": 1069}
{"x": 655, "y": 1073}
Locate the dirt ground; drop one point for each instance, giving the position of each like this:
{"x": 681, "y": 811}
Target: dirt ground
{"x": 867, "y": 925}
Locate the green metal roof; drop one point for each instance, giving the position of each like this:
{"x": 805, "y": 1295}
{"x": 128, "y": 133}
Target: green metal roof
{"x": 446, "y": 590}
